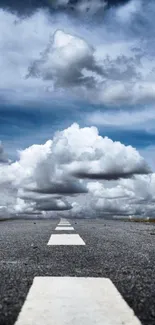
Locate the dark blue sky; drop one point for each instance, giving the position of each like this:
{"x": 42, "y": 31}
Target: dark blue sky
{"x": 31, "y": 5}
{"x": 21, "y": 127}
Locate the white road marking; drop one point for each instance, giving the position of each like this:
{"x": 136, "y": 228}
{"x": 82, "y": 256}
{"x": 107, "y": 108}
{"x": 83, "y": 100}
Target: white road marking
{"x": 64, "y": 228}
{"x": 65, "y": 239}
{"x": 64, "y": 224}
{"x": 74, "y": 301}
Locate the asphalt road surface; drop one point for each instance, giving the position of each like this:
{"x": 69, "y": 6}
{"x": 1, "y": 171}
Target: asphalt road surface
{"x": 124, "y": 252}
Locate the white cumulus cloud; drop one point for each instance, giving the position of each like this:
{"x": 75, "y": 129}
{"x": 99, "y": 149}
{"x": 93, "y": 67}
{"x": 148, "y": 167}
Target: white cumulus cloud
{"x": 46, "y": 176}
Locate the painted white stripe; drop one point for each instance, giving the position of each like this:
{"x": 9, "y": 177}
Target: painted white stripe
{"x": 68, "y": 301}
{"x": 65, "y": 239}
{"x": 64, "y": 223}
{"x": 64, "y": 228}
{"x": 68, "y": 225}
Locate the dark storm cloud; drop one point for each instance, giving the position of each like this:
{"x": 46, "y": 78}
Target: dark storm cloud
{"x": 28, "y": 196}
{"x": 50, "y": 206}
{"x": 26, "y": 213}
{"x": 114, "y": 176}
{"x": 62, "y": 189}
{"x": 46, "y": 202}
{"x": 27, "y": 7}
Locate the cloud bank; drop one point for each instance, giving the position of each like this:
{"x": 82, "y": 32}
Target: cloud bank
{"x": 70, "y": 62}
{"x": 57, "y": 175}
{"x": 108, "y": 61}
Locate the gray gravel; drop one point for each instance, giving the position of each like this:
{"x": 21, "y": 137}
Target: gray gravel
{"x": 121, "y": 251}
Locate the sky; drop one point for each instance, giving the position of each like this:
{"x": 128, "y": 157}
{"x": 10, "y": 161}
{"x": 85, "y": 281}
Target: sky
{"x": 77, "y": 93}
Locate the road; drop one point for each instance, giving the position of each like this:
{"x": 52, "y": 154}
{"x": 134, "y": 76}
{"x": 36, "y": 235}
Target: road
{"x": 122, "y": 251}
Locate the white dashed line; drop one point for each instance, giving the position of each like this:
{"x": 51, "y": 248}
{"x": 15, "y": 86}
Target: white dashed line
{"x": 64, "y": 224}
{"x": 64, "y": 228}
{"x": 71, "y": 300}
{"x": 65, "y": 239}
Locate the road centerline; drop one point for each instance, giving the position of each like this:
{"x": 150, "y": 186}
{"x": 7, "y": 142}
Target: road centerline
{"x": 81, "y": 301}
{"x": 64, "y": 228}
{"x": 66, "y": 239}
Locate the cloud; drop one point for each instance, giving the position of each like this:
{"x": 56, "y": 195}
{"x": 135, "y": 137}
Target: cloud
{"x": 68, "y": 187}
{"x": 104, "y": 61}
{"x": 99, "y": 72}
{"x": 3, "y": 157}
{"x": 55, "y": 205}
{"x": 43, "y": 178}
{"x": 127, "y": 198}
{"x": 34, "y": 205}
{"x": 40, "y": 202}
{"x": 130, "y": 197}
{"x": 113, "y": 190}
{"x": 76, "y": 150}
{"x": 110, "y": 176}
{"x": 129, "y": 10}
{"x": 90, "y": 7}
{"x": 64, "y": 60}
{"x": 127, "y": 93}
{"x": 70, "y": 62}
{"x": 82, "y": 7}
{"x": 149, "y": 155}
{"x": 135, "y": 119}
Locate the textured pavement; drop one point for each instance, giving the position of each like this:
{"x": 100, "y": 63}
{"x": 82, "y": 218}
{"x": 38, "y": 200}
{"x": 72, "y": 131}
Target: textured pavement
{"x": 121, "y": 251}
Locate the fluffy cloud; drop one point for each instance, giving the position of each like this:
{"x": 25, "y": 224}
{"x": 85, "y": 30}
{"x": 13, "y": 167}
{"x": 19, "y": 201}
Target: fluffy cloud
{"x": 32, "y": 205}
{"x": 99, "y": 72}
{"x": 56, "y": 205}
{"x": 84, "y": 151}
{"x": 130, "y": 197}
{"x": 44, "y": 175}
{"x": 64, "y": 61}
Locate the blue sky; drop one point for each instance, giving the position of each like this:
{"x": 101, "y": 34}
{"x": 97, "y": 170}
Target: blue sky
{"x": 20, "y": 127}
